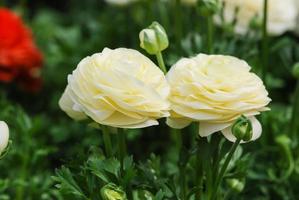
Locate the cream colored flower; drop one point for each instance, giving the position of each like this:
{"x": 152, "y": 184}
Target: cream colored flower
{"x": 281, "y": 14}
{"x": 4, "y": 136}
{"x": 120, "y": 2}
{"x": 119, "y": 88}
{"x": 215, "y": 90}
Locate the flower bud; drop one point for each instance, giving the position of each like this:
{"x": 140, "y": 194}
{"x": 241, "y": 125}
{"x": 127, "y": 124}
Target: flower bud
{"x": 242, "y": 129}
{"x": 236, "y": 184}
{"x": 154, "y": 38}
{"x": 209, "y": 7}
{"x": 296, "y": 70}
{"x": 112, "y": 192}
{"x": 4, "y": 136}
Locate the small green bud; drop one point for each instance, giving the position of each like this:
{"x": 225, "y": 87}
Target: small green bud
{"x": 112, "y": 192}
{"x": 209, "y": 7}
{"x": 236, "y": 185}
{"x": 296, "y": 70}
{"x": 242, "y": 129}
{"x": 154, "y": 38}
{"x": 283, "y": 140}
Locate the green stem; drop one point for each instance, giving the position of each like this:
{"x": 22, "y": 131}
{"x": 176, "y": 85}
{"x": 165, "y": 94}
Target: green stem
{"x": 223, "y": 168}
{"x": 199, "y": 173}
{"x": 294, "y": 122}
{"x": 181, "y": 164}
{"x": 216, "y": 154}
{"x": 207, "y": 165}
{"x": 107, "y": 141}
{"x": 265, "y": 47}
{"x": 284, "y": 143}
{"x": 178, "y": 21}
{"x": 183, "y": 181}
{"x": 23, "y": 176}
{"x": 210, "y": 36}
{"x": 161, "y": 62}
{"x": 24, "y": 167}
{"x": 122, "y": 147}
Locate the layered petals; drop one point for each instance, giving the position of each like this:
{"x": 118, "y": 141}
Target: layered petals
{"x": 119, "y": 88}
{"x": 214, "y": 90}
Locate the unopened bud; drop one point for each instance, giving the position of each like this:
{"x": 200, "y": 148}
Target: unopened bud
{"x": 4, "y": 136}
{"x": 154, "y": 38}
{"x": 209, "y": 7}
{"x": 112, "y": 192}
{"x": 236, "y": 184}
{"x": 242, "y": 129}
{"x": 296, "y": 70}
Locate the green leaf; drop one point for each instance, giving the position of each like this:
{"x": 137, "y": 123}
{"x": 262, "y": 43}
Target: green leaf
{"x": 67, "y": 184}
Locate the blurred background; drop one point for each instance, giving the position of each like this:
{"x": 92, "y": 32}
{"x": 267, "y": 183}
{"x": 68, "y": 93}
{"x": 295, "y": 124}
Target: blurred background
{"x": 64, "y": 32}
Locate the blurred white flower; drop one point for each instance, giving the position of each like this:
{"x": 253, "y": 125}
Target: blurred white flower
{"x": 215, "y": 90}
{"x": 297, "y": 24}
{"x": 120, "y": 2}
{"x": 119, "y": 88}
{"x": 4, "y": 136}
{"x": 281, "y": 14}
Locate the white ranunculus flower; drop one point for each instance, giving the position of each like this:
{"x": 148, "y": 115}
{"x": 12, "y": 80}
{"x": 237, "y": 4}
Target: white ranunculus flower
{"x": 120, "y": 2}
{"x": 119, "y": 88}
{"x": 215, "y": 90}
{"x": 281, "y": 14}
{"x": 4, "y": 136}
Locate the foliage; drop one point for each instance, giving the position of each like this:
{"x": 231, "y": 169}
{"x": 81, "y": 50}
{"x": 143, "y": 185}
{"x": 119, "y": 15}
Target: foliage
{"x": 53, "y": 157}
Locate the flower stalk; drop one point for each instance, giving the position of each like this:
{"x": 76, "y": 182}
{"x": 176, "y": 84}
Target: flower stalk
{"x": 122, "y": 147}
{"x": 294, "y": 123}
{"x": 224, "y": 168}
{"x": 198, "y": 173}
{"x": 161, "y": 63}
{"x": 178, "y": 21}
{"x": 210, "y": 35}
{"x": 265, "y": 46}
{"x": 107, "y": 141}
{"x": 181, "y": 163}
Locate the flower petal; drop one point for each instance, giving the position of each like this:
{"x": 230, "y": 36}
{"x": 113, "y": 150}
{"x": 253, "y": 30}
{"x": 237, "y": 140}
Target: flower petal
{"x": 178, "y": 123}
{"x": 206, "y": 129}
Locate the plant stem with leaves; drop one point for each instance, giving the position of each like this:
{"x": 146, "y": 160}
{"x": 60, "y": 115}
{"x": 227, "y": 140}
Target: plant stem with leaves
{"x": 198, "y": 171}
{"x": 107, "y": 141}
{"x": 181, "y": 163}
{"x": 224, "y": 168}
{"x": 294, "y": 120}
{"x": 122, "y": 147}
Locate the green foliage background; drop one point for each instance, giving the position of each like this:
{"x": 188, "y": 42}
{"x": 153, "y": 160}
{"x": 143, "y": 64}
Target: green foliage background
{"x": 53, "y": 157}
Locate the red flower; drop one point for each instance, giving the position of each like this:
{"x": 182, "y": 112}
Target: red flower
{"x": 20, "y": 59}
